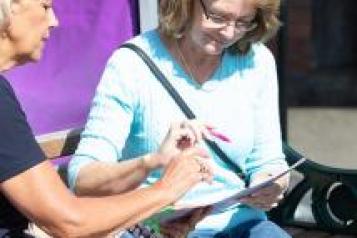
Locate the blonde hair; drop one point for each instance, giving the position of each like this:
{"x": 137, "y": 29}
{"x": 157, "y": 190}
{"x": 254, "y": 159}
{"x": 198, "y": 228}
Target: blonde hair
{"x": 4, "y": 13}
{"x": 176, "y": 15}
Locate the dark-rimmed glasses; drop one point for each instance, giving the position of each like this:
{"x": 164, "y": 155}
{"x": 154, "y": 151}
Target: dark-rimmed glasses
{"x": 222, "y": 21}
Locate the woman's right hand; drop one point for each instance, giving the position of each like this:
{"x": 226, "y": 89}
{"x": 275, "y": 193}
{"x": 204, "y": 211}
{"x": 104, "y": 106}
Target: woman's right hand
{"x": 185, "y": 170}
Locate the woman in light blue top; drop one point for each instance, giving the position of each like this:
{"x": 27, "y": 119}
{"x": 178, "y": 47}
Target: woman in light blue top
{"x": 212, "y": 53}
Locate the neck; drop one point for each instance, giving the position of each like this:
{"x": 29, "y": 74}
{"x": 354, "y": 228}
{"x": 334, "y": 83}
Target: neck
{"x": 195, "y": 62}
{"x": 7, "y": 57}
{"x": 196, "y": 55}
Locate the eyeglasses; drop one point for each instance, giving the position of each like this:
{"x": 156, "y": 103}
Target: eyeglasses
{"x": 221, "y": 21}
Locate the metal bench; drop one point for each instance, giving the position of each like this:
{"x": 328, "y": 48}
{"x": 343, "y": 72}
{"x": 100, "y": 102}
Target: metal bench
{"x": 332, "y": 199}
{"x": 334, "y": 219}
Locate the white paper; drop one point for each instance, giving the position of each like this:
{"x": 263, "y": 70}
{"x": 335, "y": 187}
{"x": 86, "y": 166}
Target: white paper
{"x": 232, "y": 200}
{"x": 226, "y": 202}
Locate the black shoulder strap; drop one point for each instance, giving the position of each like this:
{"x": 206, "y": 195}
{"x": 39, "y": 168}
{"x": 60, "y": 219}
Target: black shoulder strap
{"x": 182, "y": 104}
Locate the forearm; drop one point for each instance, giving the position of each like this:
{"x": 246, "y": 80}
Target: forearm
{"x": 100, "y": 178}
{"x": 116, "y": 212}
{"x": 47, "y": 202}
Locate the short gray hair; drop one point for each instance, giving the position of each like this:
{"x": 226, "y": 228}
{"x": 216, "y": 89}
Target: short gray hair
{"x": 4, "y": 13}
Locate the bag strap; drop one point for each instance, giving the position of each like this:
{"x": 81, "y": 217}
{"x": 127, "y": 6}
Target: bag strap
{"x": 182, "y": 104}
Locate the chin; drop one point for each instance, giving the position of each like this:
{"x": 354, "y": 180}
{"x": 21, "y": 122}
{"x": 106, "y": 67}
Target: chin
{"x": 36, "y": 56}
{"x": 214, "y": 49}
{"x": 35, "y": 59}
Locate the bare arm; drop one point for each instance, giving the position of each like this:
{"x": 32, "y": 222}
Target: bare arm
{"x": 42, "y": 197}
{"x": 102, "y": 178}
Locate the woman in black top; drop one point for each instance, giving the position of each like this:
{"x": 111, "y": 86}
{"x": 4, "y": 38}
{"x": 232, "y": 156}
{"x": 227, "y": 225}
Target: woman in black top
{"x": 32, "y": 185}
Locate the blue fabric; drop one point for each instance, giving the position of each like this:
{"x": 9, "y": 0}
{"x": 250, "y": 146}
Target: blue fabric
{"x": 131, "y": 114}
{"x": 254, "y": 229}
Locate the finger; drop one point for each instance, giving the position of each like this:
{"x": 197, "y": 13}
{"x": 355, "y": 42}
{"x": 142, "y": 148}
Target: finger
{"x": 196, "y": 214}
{"x": 277, "y": 188}
{"x": 206, "y": 210}
{"x": 204, "y": 168}
{"x": 209, "y": 126}
{"x": 187, "y": 132}
{"x": 248, "y": 200}
{"x": 175, "y": 126}
{"x": 198, "y": 164}
{"x": 199, "y": 214}
{"x": 272, "y": 196}
{"x": 252, "y": 200}
{"x": 204, "y": 129}
{"x": 268, "y": 207}
{"x": 205, "y": 165}
{"x": 184, "y": 142}
{"x": 208, "y": 178}
{"x": 261, "y": 204}
{"x": 181, "y": 129}
{"x": 196, "y": 129}
{"x": 272, "y": 190}
{"x": 259, "y": 200}
{"x": 254, "y": 204}
{"x": 196, "y": 151}
{"x": 199, "y": 129}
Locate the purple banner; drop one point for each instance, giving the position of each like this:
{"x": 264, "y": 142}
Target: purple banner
{"x": 56, "y": 93}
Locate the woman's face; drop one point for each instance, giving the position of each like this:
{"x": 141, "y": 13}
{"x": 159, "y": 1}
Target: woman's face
{"x": 30, "y": 26}
{"x": 217, "y": 24}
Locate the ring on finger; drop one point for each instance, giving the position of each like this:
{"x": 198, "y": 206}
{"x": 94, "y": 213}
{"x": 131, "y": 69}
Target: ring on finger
{"x": 203, "y": 168}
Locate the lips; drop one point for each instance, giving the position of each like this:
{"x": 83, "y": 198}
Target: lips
{"x": 46, "y": 36}
{"x": 220, "y": 42}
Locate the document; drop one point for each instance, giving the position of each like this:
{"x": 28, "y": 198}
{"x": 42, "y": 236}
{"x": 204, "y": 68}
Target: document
{"x": 232, "y": 200}
{"x": 180, "y": 210}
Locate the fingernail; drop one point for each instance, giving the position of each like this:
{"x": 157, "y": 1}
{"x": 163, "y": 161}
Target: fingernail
{"x": 209, "y": 127}
{"x": 219, "y": 135}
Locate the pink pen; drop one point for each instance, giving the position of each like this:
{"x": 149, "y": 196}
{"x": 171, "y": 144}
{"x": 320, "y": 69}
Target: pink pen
{"x": 219, "y": 135}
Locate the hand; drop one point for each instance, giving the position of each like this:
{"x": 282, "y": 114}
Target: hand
{"x": 179, "y": 137}
{"x": 179, "y": 228}
{"x": 268, "y": 197}
{"x": 185, "y": 170}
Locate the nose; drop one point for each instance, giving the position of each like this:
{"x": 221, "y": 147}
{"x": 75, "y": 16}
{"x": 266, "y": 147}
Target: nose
{"x": 53, "y": 20}
{"x": 228, "y": 32}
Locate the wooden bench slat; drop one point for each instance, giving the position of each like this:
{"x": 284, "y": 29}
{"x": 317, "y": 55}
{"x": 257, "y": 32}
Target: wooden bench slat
{"x": 312, "y": 234}
{"x": 298, "y": 232}
{"x": 293, "y": 231}
{"x": 60, "y": 143}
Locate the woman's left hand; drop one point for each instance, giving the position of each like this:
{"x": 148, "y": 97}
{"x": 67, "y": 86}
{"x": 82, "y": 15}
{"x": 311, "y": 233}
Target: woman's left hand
{"x": 268, "y": 197}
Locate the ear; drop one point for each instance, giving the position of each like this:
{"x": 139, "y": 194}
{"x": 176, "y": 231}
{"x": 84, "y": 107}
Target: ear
{"x": 15, "y": 6}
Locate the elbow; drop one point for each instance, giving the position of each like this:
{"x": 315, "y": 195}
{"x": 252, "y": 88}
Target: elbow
{"x": 68, "y": 228}
{"x": 74, "y": 225}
